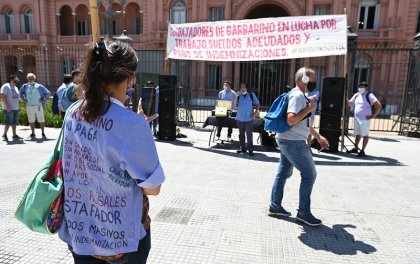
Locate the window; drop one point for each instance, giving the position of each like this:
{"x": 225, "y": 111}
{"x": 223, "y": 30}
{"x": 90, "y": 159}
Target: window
{"x": 115, "y": 27}
{"x": 368, "y": 15}
{"x": 26, "y": 21}
{"x": 8, "y": 22}
{"x": 139, "y": 26}
{"x": 214, "y": 77}
{"x": 362, "y": 70}
{"x": 217, "y": 13}
{"x": 10, "y": 63}
{"x": 82, "y": 27}
{"x": 178, "y": 12}
{"x": 321, "y": 10}
{"x": 418, "y": 22}
{"x": 67, "y": 66}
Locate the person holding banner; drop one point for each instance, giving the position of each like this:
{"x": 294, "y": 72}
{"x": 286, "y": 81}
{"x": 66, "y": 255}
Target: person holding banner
{"x": 294, "y": 152}
{"x": 245, "y": 103}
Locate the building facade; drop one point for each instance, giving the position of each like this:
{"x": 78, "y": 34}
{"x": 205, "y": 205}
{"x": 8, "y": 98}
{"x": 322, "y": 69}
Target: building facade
{"x": 47, "y": 37}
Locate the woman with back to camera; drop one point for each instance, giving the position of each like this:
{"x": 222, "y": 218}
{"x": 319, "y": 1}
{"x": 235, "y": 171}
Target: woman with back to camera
{"x": 110, "y": 164}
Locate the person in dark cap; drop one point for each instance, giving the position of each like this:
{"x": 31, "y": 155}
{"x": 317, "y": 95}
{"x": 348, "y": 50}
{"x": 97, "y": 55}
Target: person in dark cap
{"x": 75, "y": 74}
{"x": 366, "y": 108}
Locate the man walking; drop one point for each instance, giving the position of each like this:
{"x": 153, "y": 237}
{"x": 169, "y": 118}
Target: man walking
{"x": 294, "y": 152}
{"x": 363, "y": 102}
{"x": 35, "y": 96}
{"x": 67, "y": 80}
{"x": 9, "y": 94}
{"x": 226, "y": 95}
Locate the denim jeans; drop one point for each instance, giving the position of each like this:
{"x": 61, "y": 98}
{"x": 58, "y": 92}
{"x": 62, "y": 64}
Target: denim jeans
{"x": 294, "y": 153}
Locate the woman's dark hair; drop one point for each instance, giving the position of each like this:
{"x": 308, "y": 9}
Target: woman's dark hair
{"x": 12, "y": 77}
{"x": 108, "y": 62}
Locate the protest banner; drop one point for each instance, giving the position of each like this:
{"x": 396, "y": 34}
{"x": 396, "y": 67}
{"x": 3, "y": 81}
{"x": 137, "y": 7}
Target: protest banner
{"x": 259, "y": 39}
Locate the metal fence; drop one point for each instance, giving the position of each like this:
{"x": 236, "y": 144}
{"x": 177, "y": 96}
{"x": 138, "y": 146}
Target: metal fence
{"x": 392, "y": 72}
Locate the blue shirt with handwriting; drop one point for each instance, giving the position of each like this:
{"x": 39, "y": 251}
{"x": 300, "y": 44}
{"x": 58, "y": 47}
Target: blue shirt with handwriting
{"x": 106, "y": 164}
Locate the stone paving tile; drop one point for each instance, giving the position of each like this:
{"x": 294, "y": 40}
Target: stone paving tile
{"x": 212, "y": 208}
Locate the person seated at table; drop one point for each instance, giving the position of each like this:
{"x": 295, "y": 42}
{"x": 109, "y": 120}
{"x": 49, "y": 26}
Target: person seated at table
{"x": 226, "y": 95}
{"x": 245, "y": 101}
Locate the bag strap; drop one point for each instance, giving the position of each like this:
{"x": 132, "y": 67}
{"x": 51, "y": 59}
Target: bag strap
{"x": 59, "y": 145}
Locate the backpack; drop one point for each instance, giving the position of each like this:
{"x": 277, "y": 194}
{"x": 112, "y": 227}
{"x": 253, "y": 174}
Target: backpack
{"x": 252, "y": 98}
{"x": 276, "y": 118}
{"x": 54, "y": 106}
{"x": 68, "y": 97}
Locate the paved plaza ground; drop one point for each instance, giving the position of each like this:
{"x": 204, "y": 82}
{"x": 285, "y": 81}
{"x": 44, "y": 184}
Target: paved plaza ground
{"x": 212, "y": 207}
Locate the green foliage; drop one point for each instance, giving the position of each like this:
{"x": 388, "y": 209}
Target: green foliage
{"x": 51, "y": 120}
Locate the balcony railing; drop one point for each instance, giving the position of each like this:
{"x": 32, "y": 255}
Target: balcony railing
{"x": 19, "y": 37}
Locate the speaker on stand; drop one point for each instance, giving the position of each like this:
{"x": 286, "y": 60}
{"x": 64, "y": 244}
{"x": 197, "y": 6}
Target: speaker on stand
{"x": 331, "y": 111}
{"x": 167, "y": 109}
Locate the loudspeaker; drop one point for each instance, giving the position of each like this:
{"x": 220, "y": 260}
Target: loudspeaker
{"x": 167, "y": 109}
{"x": 332, "y": 93}
{"x": 148, "y": 100}
{"x": 330, "y": 127}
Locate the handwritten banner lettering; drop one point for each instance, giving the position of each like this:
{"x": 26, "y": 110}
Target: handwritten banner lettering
{"x": 259, "y": 39}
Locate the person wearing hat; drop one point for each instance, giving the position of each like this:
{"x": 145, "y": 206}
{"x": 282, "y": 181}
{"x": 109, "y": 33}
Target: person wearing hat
{"x": 366, "y": 108}
{"x": 226, "y": 95}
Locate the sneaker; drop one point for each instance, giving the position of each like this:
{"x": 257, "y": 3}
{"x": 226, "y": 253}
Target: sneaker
{"x": 16, "y": 137}
{"x": 361, "y": 154}
{"x": 4, "y": 137}
{"x": 353, "y": 150}
{"x": 241, "y": 150}
{"x": 44, "y": 136}
{"x": 31, "y": 136}
{"x": 229, "y": 139}
{"x": 251, "y": 153}
{"x": 278, "y": 212}
{"x": 309, "y": 219}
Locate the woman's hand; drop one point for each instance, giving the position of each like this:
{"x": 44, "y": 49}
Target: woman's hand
{"x": 154, "y": 191}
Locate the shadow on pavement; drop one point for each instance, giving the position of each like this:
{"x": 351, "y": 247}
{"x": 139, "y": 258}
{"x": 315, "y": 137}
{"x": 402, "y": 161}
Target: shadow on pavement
{"x": 335, "y": 239}
{"x": 15, "y": 142}
{"x": 179, "y": 143}
{"x": 369, "y": 160}
{"x": 258, "y": 156}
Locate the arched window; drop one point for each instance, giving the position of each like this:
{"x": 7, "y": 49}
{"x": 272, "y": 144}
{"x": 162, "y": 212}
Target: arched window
{"x": 27, "y": 21}
{"x": 8, "y": 21}
{"x": 82, "y": 20}
{"x": 362, "y": 71}
{"x": 10, "y": 62}
{"x": 178, "y": 12}
{"x": 66, "y": 21}
{"x": 133, "y": 19}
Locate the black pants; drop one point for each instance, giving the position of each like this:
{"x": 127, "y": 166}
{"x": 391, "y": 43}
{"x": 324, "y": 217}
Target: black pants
{"x": 219, "y": 131}
{"x": 138, "y": 257}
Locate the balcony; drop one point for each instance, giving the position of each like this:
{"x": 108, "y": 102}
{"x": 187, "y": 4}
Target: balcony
{"x": 378, "y": 34}
{"x": 19, "y": 38}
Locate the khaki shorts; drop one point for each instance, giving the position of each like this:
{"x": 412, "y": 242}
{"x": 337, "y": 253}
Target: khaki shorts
{"x": 361, "y": 127}
{"x": 35, "y": 112}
